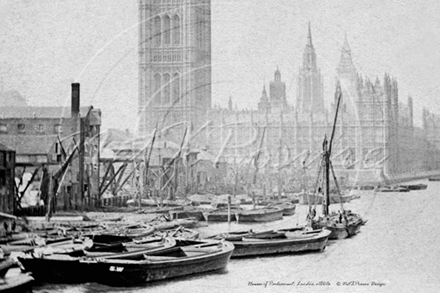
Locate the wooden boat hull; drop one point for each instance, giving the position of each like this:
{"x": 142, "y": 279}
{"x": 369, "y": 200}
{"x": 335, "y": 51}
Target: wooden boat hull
{"x": 22, "y": 283}
{"x": 313, "y": 242}
{"x": 136, "y": 251}
{"x": 289, "y": 211}
{"x": 238, "y": 235}
{"x": 116, "y": 272}
{"x": 343, "y": 232}
{"x": 393, "y": 189}
{"x": 5, "y": 265}
{"x": 221, "y": 215}
{"x": 66, "y": 270}
{"x": 187, "y": 214}
{"x": 414, "y": 186}
{"x": 339, "y": 230}
{"x": 287, "y": 207}
{"x": 138, "y": 232}
{"x": 260, "y": 215}
{"x": 132, "y": 274}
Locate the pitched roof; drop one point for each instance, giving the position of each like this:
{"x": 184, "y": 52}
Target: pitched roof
{"x": 39, "y": 112}
{"x": 29, "y": 144}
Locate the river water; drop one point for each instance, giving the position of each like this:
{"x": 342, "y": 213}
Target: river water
{"x": 396, "y": 251}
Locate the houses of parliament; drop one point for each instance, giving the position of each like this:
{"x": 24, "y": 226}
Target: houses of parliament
{"x": 375, "y": 137}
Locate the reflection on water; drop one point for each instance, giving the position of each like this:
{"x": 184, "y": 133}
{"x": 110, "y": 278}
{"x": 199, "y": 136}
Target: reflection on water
{"x": 396, "y": 251}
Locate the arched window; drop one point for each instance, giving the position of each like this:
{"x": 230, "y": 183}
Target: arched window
{"x": 176, "y": 87}
{"x": 176, "y": 30}
{"x": 199, "y": 32}
{"x": 157, "y": 88}
{"x": 157, "y": 32}
{"x": 166, "y": 88}
{"x": 166, "y": 30}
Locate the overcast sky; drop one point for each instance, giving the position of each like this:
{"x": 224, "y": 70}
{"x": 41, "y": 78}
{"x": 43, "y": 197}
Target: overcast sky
{"x": 47, "y": 44}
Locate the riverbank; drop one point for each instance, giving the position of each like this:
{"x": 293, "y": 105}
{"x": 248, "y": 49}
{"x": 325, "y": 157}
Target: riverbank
{"x": 394, "y": 252}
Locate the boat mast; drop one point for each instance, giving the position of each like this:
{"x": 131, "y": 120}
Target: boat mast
{"x": 327, "y": 148}
{"x": 326, "y": 177}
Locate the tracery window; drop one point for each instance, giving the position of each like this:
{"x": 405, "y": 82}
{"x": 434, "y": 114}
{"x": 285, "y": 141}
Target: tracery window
{"x": 166, "y": 88}
{"x": 157, "y": 32}
{"x": 166, "y": 30}
{"x": 157, "y": 88}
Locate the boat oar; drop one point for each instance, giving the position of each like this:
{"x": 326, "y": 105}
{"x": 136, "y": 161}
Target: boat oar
{"x": 175, "y": 231}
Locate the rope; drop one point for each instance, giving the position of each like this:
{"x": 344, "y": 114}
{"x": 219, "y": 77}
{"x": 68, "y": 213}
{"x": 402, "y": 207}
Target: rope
{"x": 314, "y": 191}
{"x": 337, "y": 186}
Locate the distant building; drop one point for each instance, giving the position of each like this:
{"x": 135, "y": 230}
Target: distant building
{"x": 310, "y": 89}
{"x": 174, "y": 64}
{"x": 45, "y": 136}
{"x": 375, "y": 138}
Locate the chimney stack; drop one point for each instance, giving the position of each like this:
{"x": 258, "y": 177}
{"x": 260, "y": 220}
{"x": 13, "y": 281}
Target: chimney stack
{"x": 75, "y": 100}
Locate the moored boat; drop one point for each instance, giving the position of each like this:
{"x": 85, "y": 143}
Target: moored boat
{"x": 135, "y": 250}
{"x": 200, "y": 257}
{"x": 221, "y": 215}
{"x": 238, "y": 235}
{"x": 187, "y": 213}
{"x": 391, "y": 189}
{"x": 18, "y": 283}
{"x": 137, "y": 231}
{"x": 420, "y": 186}
{"x": 344, "y": 224}
{"x": 287, "y": 207}
{"x": 12, "y": 279}
{"x": 340, "y": 228}
{"x": 290, "y": 242}
{"x": 260, "y": 215}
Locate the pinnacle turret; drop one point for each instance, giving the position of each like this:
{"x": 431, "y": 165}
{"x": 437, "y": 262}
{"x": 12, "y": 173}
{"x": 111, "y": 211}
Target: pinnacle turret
{"x": 309, "y": 37}
{"x": 309, "y": 55}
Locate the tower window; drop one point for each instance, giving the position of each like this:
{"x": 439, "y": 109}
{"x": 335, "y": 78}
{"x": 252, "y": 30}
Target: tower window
{"x": 157, "y": 32}
{"x": 157, "y": 94}
{"x": 176, "y": 30}
{"x": 199, "y": 32}
{"x": 166, "y": 30}
{"x": 166, "y": 88}
{"x": 176, "y": 87}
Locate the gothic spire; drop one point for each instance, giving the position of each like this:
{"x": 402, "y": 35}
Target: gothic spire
{"x": 309, "y": 56}
{"x": 277, "y": 75}
{"x": 346, "y": 61}
{"x": 309, "y": 37}
{"x": 264, "y": 94}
